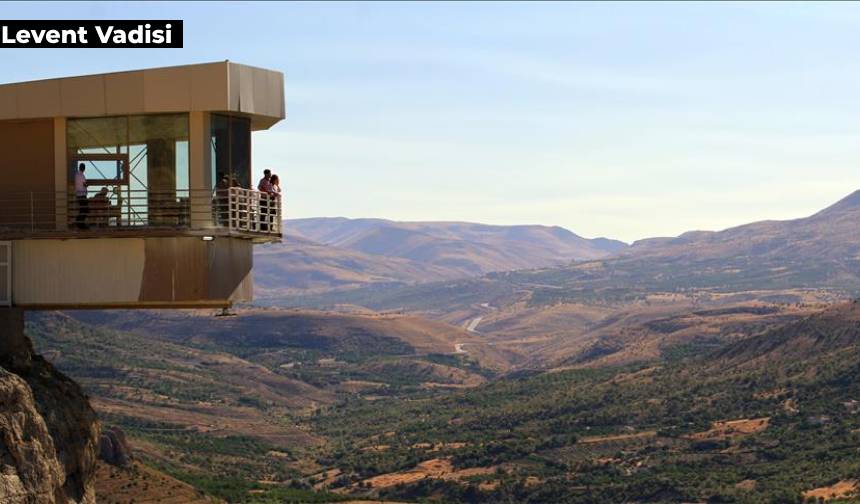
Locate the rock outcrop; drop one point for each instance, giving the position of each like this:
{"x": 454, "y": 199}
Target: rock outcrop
{"x": 114, "y": 448}
{"x": 48, "y": 431}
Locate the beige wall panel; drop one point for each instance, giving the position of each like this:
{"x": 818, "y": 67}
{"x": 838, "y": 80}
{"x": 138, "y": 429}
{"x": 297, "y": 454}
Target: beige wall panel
{"x": 192, "y": 269}
{"x": 209, "y": 89}
{"x": 83, "y": 96}
{"x": 8, "y": 102}
{"x": 77, "y": 272}
{"x": 277, "y": 107}
{"x": 27, "y": 166}
{"x": 167, "y": 89}
{"x": 262, "y": 100}
{"x": 39, "y": 99}
{"x": 244, "y": 293}
{"x": 124, "y": 93}
{"x": 233, "y": 85}
{"x": 232, "y": 260}
{"x": 130, "y": 272}
{"x": 159, "y": 270}
{"x": 27, "y": 159}
{"x": 246, "y": 90}
{"x": 176, "y": 270}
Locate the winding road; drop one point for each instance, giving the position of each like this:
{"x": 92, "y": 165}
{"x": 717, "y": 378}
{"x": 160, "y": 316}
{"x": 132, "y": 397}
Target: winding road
{"x": 473, "y": 324}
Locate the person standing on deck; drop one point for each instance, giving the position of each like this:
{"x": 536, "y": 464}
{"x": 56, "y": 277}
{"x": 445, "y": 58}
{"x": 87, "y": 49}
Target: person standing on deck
{"x": 81, "y": 197}
{"x": 265, "y": 185}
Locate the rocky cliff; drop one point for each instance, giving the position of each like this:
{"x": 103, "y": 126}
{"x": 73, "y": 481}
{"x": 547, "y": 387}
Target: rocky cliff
{"x": 48, "y": 431}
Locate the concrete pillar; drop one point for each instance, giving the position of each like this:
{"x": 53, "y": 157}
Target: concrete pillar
{"x": 61, "y": 175}
{"x": 16, "y": 351}
{"x": 200, "y": 176}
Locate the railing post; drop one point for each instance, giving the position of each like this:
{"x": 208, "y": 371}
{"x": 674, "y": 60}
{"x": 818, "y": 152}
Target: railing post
{"x": 231, "y": 198}
{"x": 278, "y": 217}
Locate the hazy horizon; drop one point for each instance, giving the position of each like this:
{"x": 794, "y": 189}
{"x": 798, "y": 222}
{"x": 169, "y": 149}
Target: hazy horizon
{"x": 287, "y": 231}
{"x": 621, "y": 120}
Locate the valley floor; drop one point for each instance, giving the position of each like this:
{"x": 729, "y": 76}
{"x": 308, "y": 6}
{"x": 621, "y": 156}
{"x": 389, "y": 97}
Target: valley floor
{"x": 634, "y": 401}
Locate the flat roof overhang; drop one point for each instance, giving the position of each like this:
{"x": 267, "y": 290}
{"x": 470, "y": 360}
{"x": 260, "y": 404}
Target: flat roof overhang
{"x": 224, "y": 86}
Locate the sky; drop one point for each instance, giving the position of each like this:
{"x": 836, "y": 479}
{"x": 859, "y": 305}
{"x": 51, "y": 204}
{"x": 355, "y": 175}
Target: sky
{"x": 626, "y": 120}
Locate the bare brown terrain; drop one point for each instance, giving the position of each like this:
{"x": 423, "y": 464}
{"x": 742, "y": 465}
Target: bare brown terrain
{"x": 140, "y": 484}
{"x": 733, "y": 428}
{"x": 272, "y": 328}
{"x": 438, "y": 468}
{"x": 565, "y": 335}
{"x": 839, "y": 490}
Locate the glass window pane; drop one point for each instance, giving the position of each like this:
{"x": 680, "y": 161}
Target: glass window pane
{"x": 155, "y": 148}
{"x": 98, "y": 135}
{"x": 162, "y": 141}
{"x": 240, "y": 150}
{"x": 219, "y": 140}
{"x": 230, "y": 150}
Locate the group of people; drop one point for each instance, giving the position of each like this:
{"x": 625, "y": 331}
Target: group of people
{"x": 270, "y": 184}
{"x": 99, "y": 204}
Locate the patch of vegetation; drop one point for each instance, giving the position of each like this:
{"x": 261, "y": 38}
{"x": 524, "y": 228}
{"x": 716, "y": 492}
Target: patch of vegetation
{"x": 620, "y": 435}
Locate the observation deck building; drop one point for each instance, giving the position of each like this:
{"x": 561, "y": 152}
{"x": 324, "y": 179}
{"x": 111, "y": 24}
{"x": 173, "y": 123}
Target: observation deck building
{"x": 170, "y": 212}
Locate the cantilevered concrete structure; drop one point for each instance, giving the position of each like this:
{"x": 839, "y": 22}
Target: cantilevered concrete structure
{"x": 170, "y": 213}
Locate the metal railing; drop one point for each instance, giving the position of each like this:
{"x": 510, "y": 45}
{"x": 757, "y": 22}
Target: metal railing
{"x": 235, "y": 210}
{"x": 254, "y": 211}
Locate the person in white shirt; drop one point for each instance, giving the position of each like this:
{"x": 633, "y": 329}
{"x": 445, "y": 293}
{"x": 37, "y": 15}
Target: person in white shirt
{"x": 81, "y": 197}
{"x": 276, "y": 195}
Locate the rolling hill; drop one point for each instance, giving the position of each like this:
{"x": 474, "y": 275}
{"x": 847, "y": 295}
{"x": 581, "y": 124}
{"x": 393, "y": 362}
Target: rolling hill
{"x": 300, "y": 266}
{"x": 820, "y": 251}
{"x": 627, "y": 306}
{"x": 817, "y": 252}
{"x": 466, "y": 248}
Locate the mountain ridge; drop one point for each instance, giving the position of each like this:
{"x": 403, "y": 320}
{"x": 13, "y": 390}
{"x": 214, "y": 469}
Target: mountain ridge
{"x": 320, "y": 255}
{"x": 470, "y": 248}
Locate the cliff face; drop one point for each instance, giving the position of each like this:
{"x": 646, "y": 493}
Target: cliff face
{"x": 48, "y": 431}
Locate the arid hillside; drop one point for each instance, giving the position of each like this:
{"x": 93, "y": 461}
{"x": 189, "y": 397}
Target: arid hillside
{"x": 264, "y": 333}
{"x": 817, "y": 252}
{"x": 824, "y": 333}
{"x": 140, "y": 484}
{"x": 660, "y": 296}
{"x": 217, "y": 402}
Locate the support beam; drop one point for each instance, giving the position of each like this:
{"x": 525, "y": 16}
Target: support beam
{"x": 200, "y": 176}
{"x": 61, "y": 171}
{"x": 15, "y": 348}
